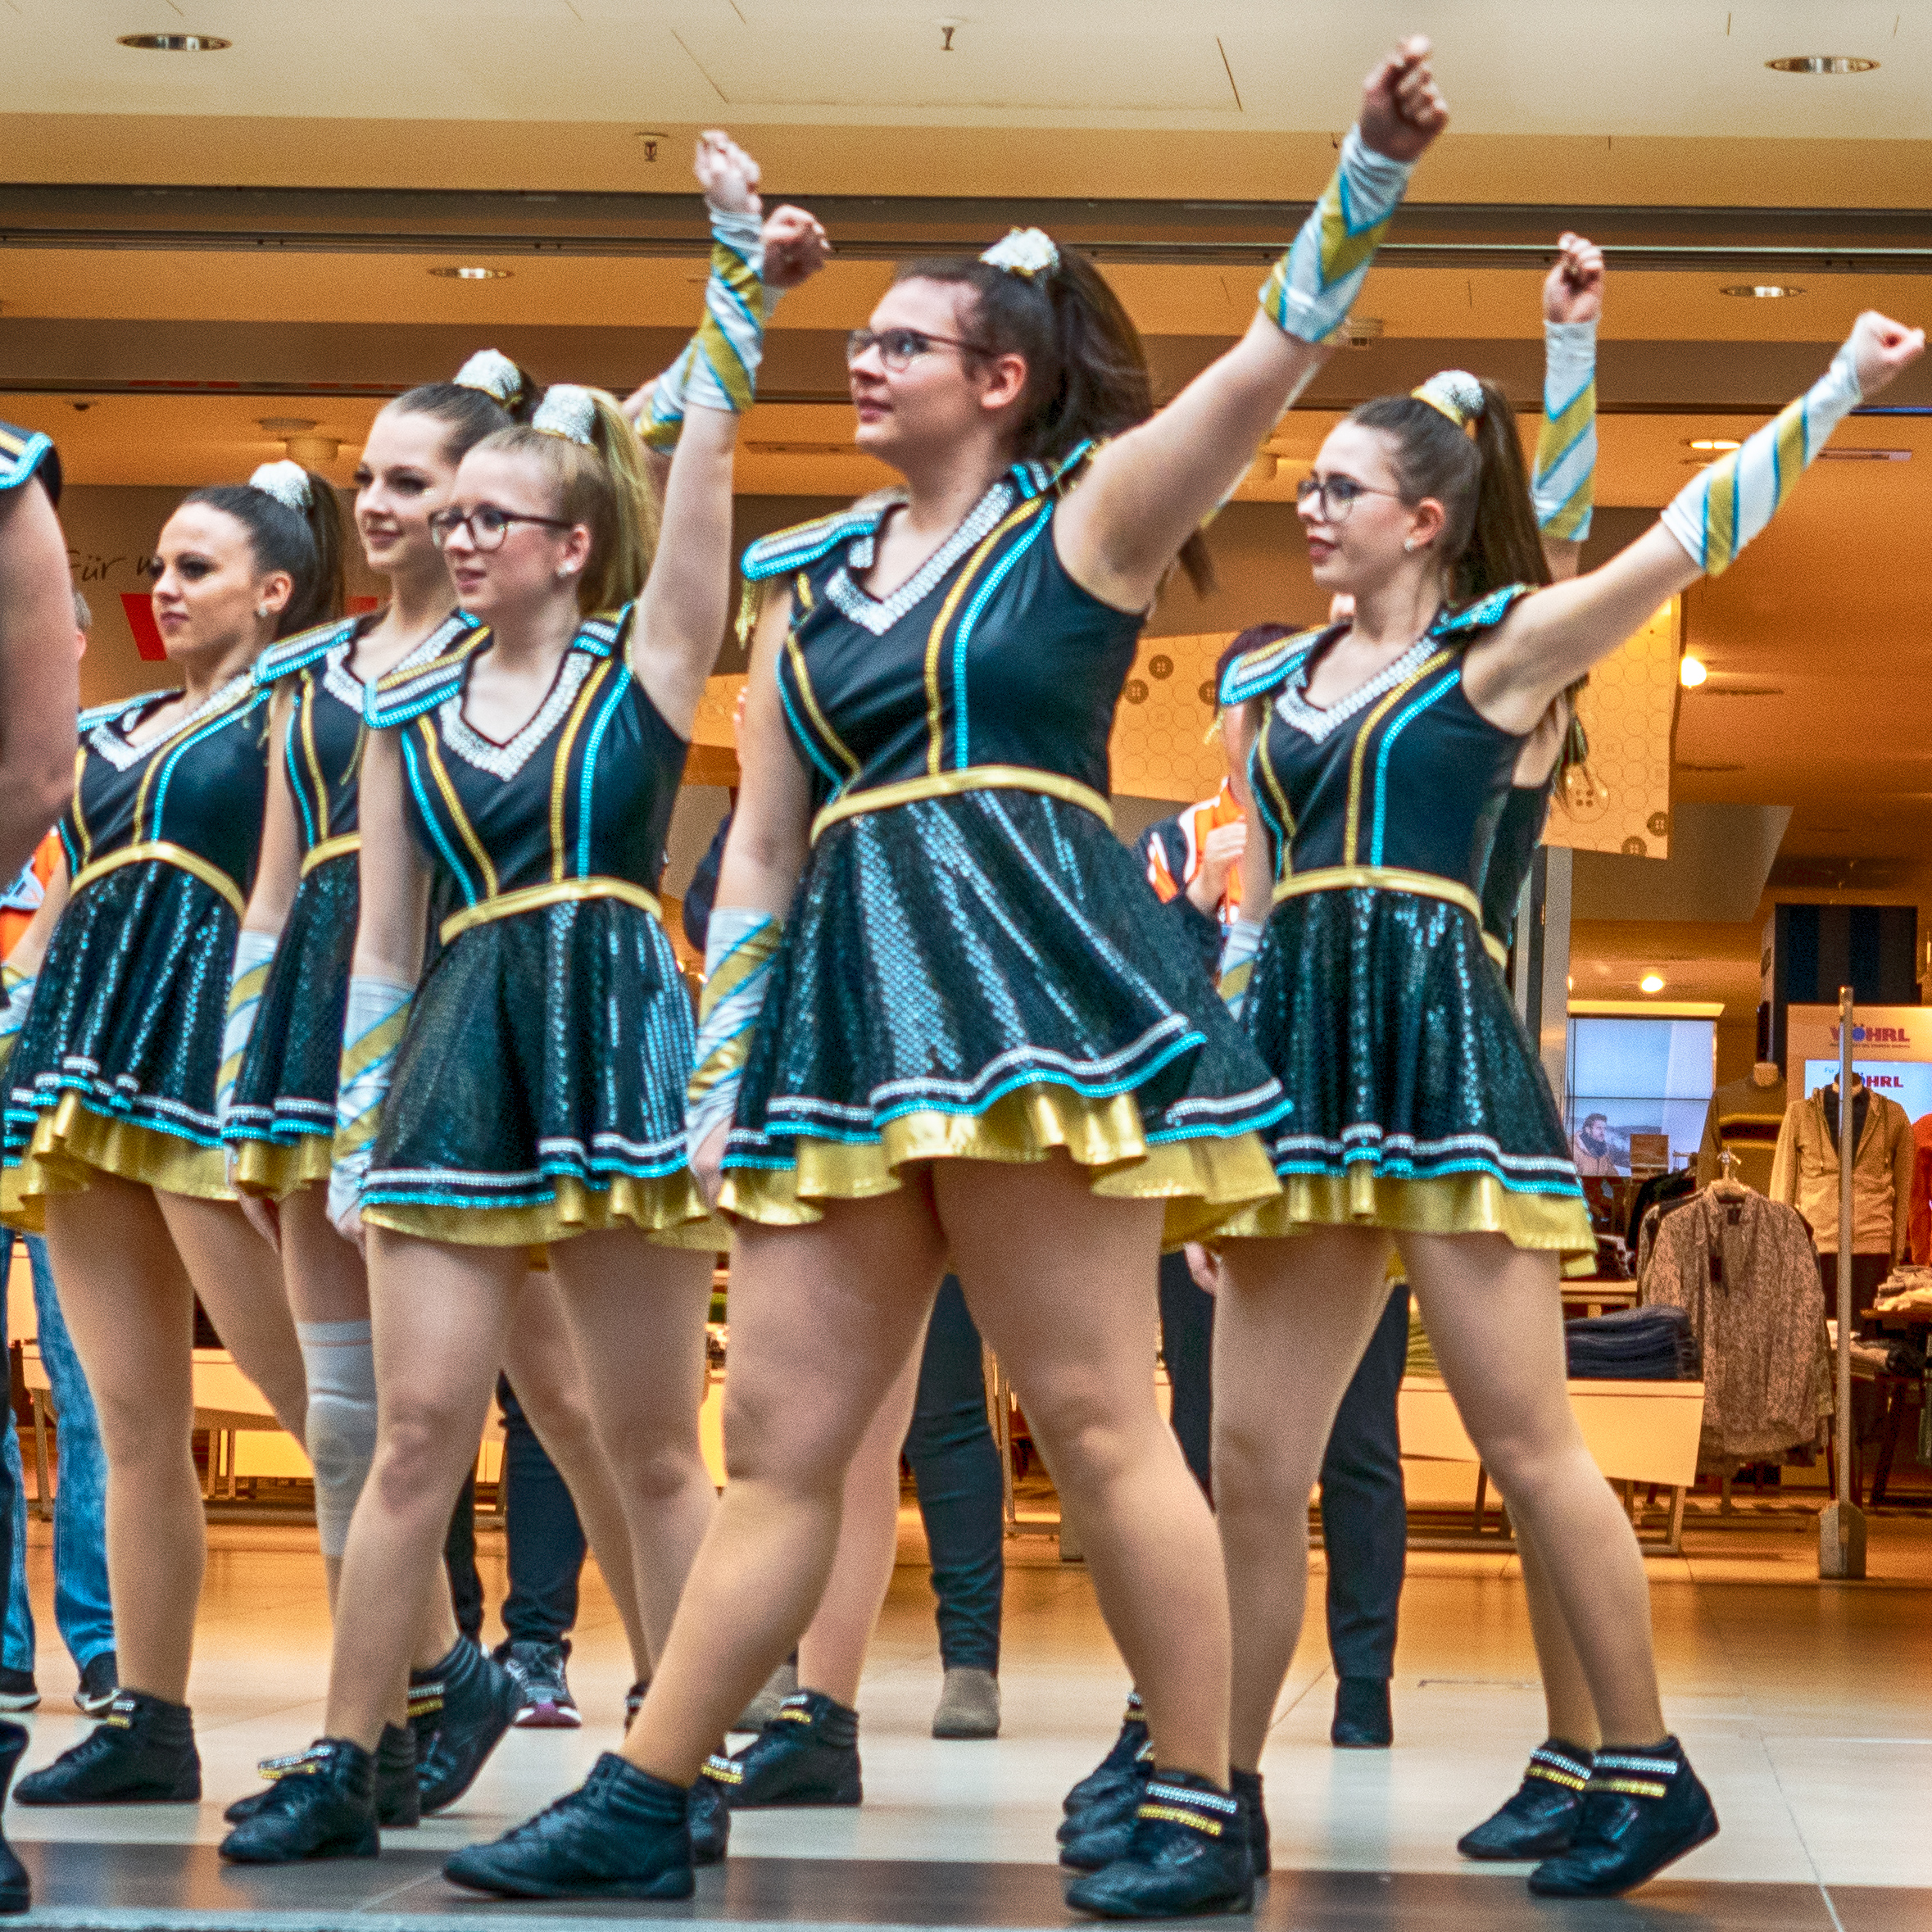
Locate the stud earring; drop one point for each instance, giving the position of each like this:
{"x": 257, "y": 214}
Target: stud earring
{"x": 1408, "y": 543}
{"x": 261, "y": 610}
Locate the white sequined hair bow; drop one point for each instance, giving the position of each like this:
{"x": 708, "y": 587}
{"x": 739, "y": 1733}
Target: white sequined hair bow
{"x": 1027, "y": 252}
{"x": 567, "y": 411}
{"x": 286, "y": 482}
{"x": 1454, "y": 392}
{"x": 492, "y": 372}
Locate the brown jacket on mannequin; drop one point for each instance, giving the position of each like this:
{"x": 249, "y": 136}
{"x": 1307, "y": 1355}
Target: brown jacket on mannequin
{"x": 1804, "y": 1174}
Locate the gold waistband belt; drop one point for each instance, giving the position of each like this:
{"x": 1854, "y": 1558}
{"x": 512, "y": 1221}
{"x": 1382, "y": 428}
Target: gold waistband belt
{"x": 161, "y": 850}
{"x": 972, "y": 778}
{"x": 338, "y": 847}
{"x": 507, "y": 905}
{"x": 1391, "y": 879}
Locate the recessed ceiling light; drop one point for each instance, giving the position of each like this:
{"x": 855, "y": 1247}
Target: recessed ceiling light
{"x": 468, "y": 273}
{"x": 1691, "y": 672}
{"x": 174, "y": 42}
{"x": 1821, "y": 64}
{"x": 1651, "y": 982}
{"x": 1713, "y": 442}
{"x": 1854, "y": 455}
{"x": 1763, "y": 291}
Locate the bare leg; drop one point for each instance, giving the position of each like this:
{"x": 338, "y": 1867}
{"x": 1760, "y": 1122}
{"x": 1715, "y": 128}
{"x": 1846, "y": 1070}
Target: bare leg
{"x": 441, "y": 1315}
{"x": 835, "y": 1308}
{"x": 1071, "y": 1309}
{"x": 131, "y": 1312}
{"x": 1495, "y": 1316}
{"x": 1568, "y": 1709}
{"x": 1291, "y": 1321}
{"x": 832, "y": 1653}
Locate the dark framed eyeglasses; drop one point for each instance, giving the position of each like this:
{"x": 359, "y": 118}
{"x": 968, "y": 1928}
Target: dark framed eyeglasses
{"x": 486, "y": 524}
{"x": 898, "y": 347}
{"x": 1336, "y": 496}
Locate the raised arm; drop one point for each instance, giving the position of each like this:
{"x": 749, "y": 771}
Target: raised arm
{"x": 39, "y": 689}
{"x": 686, "y": 600}
{"x": 1551, "y": 639}
{"x": 1151, "y": 489}
{"x": 1564, "y": 488}
{"x": 765, "y": 854}
{"x": 394, "y": 886}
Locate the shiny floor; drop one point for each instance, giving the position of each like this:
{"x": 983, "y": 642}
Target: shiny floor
{"x": 1807, "y": 1708}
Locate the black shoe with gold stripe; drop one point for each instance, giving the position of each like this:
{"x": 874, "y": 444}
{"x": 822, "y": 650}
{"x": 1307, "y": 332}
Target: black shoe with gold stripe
{"x": 398, "y": 1803}
{"x": 1189, "y": 1853}
{"x": 1118, "y": 1766}
{"x": 1643, "y": 1810}
{"x": 1539, "y": 1819}
{"x": 322, "y": 1806}
{"x": 143, "y": 1752}
{"x": 808, "y": 1754}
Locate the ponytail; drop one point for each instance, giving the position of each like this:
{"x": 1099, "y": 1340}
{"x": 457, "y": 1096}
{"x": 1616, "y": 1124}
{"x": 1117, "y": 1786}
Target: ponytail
{"x": 1086, "y": 370}
{"x": 1490, "y": 537}
{"x": 600, "y": 481}
{"x": 294, "y": 522}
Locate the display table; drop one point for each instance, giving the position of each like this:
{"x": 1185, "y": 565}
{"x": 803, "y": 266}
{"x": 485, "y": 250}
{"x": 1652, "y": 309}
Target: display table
{"x": 1638, "y": 1432}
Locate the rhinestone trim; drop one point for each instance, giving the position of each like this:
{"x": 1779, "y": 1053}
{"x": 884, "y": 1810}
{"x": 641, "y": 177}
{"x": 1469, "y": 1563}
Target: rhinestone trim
{"x": 506, "y": 761}
{"x": 878, "y": 615}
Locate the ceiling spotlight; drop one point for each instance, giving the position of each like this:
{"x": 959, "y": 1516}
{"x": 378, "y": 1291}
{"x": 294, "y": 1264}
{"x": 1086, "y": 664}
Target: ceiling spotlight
{"x": 1651, "y": 982}
{"x": 1821, "y": 64}
{"x": 1691, "y": 673}
{"x": 312, "y": 451}
{"x": 1763, "y": 291}
{"x": 1719, "y": 443}
{"x": 173, "y": 43}
{"x": 470, "y": 273}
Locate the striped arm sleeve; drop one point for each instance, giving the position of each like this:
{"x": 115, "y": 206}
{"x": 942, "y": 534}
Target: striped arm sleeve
{"x": 1308, "y": 291}
{"x": 1564, "y": 488}
{"x": 740, "y": 951}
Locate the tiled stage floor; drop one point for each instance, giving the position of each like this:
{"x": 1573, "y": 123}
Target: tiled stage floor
{"x": 1807, "y": 1708}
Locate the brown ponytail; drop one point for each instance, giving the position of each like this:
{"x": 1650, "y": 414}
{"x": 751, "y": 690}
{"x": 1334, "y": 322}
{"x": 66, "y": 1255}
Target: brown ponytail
{"x": 1086, "y": 370}
{"x": 1490, "y": 537}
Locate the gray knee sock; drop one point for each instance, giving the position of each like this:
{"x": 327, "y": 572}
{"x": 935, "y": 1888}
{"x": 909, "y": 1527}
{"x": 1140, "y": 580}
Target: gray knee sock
{"x": 340, "y": 1360}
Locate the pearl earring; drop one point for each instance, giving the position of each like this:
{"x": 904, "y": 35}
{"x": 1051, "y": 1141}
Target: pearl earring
{"x": 261, "y": 610}
{"x": 1408, "y": 543}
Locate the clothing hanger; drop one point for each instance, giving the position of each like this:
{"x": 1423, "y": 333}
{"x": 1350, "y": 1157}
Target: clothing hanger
{"x": 1725, "y": 1187}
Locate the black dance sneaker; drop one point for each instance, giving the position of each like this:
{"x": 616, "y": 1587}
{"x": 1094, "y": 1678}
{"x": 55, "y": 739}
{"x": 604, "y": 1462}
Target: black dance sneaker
{"x": 709, "y": 1819}
{"x": 1188, "y": 1854}
{"x": 16, "y": 1889}
{"x": 100, "y": 1678}
{"x": 538, "y": 1671}
{"x": 1540, "y": 1819}
{"x": 808, "y": 1754}
{"x": 622, "y": 1835}
{"x": 1119, "y": 1763}
{"x": 1643, "y": 1809}
{"x": 479, "y": 1702}
{"x": 761, "y": 1710}
{"x": 18, "y": 1691}
{"x": 1246, "y": 1786}
{"x": 1362, "y": 1719}
{"x": 397, "y": 1804}
{"x": 322, "y": 1806}
{"x": 141, "y": 1753}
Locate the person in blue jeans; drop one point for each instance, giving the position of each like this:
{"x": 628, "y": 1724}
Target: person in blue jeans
{"x": 81, "y": 1606}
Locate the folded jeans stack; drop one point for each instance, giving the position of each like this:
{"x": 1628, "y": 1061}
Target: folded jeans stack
{"x": 1649, "y": 1344}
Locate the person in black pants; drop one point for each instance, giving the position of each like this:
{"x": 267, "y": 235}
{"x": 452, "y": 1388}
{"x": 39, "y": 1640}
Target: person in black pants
{"x": 546, "y": 1547}
{"x": 1193, "y": 861}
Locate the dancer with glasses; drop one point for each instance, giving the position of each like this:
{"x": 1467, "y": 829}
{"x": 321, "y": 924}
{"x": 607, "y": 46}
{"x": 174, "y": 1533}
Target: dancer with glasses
{"x": 941, "y": 1005}
{"x": 528, "y": 1089}
{"x": 1385, "y": 749}
{"x": 112, "y": 1136}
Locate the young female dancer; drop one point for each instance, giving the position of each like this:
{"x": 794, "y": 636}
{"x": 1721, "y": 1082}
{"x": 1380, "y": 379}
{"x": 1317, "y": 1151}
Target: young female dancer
{"x": 939, "y": 1008}
{"x": 112, "y": 1131}
{"x": 529, "y": 1090}
{"x": 1421, "y": 1116}
{"x": 283, "y": 1044}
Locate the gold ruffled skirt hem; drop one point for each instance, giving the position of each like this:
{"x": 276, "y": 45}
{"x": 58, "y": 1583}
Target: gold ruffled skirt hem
{"x": 669, "y": 1210}
{"x": 71, "y": 1144}
{"x": 1446, "y": 1204}
{"x": 1204, "y": 1180}
{"x": 274, "y": 1169}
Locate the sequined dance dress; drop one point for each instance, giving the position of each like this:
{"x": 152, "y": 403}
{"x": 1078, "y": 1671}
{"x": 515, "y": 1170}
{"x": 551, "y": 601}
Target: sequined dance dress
{"x": 539, "y": 1089}
{"x": 1418, "y": 1101}
{"x": 114, "y": 1069}
{"x": 281, "y": 1120}
{"x": 974, "y": 967}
